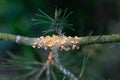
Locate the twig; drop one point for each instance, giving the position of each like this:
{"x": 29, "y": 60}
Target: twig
{"x": 57, "y": 63}
{"x": 82, "y": 40}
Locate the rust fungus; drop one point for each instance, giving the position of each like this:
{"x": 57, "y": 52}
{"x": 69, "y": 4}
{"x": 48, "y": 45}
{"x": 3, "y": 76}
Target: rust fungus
{"x": 51, "y": 58}
{"x": 65, "y": 43}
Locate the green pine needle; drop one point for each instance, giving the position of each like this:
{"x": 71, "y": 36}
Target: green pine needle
{"x": 55, "y": 24}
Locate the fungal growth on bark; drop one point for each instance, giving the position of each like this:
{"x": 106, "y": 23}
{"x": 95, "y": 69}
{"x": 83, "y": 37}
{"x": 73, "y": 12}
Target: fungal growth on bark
{"x": 64, "y": 43}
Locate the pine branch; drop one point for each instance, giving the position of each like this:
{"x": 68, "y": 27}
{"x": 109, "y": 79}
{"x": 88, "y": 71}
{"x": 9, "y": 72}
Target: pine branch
{"x": 82, "y": 40}
{"x": 56, "y": 43}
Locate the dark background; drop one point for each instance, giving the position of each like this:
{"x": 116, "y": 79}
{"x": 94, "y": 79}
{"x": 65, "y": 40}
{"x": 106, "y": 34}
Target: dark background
{"x": 99, "y": 16}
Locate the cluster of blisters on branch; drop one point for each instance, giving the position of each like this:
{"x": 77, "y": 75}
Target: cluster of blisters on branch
{"x": 64, "y": 43}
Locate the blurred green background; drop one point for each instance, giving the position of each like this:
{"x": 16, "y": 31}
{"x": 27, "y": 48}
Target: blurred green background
{"x": 99, "y": 16}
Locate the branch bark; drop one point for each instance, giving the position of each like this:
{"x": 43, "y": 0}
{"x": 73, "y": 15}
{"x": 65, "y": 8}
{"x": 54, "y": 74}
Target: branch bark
{"x": 83, "y": 40}
{"x": 17, "y": 39}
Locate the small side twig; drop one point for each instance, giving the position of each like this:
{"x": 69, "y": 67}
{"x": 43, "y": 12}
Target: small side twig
{"x": 57, "y": 63}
